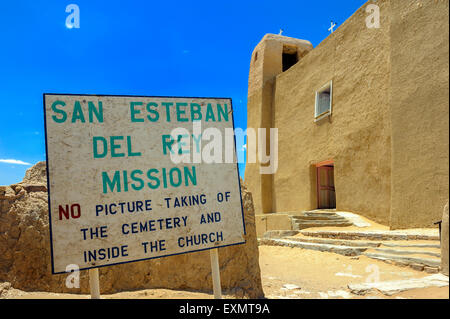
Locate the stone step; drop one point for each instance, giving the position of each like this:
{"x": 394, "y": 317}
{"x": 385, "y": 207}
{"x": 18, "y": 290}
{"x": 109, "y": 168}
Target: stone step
{"x": 405, "y": 261}
{"x": 299, "y": 225}
{"x": 360, "y": 243}
{"x": 289, "y": 234}
{"x": 430, "y": 245}
{"x": 338, "y": 249}
{"x": 407, "y": 252}
{"x": 419, "y": 256}
{"x": 322, "y": 222}
{"x": 309, "y": 217}
{"x": 419, "y": 261}
{"x": 370, "y": 246}
{"x": 280, "y": 233}
{"x": 318, "y": 212}
{"x": 373, "y": 246}
{"x": 369, "y": 235}
{"x": 351, "y": 243}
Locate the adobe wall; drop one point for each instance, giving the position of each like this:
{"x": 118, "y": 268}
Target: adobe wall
{"x": 266, "y": 63}
{"x": 25, "y": 252}
{"x": 419, "y": 112}
{"x": 357, "y": 137}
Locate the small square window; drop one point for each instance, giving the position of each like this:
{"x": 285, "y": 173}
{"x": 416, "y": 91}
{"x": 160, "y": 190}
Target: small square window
{"x": 323, "y": 101}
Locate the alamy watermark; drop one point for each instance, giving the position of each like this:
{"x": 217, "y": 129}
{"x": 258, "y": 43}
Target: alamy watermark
{"x": 213, "y": 145}
{"x": 73, "y": 279}
{"x": 373, "y": 19}
{"x": 73, "y": 19}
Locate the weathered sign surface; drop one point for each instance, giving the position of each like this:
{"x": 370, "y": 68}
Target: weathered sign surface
{"x": 117, "y": 189}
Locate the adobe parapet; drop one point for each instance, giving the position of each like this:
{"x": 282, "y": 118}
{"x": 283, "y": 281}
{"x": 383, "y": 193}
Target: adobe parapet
{"x": 273, "y": 55}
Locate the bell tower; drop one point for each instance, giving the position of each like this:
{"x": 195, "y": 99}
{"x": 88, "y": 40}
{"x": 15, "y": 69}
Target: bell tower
{"x": 273, "y": 55}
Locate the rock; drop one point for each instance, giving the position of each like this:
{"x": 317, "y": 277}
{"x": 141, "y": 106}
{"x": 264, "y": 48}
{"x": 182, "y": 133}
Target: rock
{"x": 34, "y": 188}
{"x": 290, "y": 286}
{"x": 25, "y": 252}
{"x": 444, "y": 241}
{"x": 431, "y": 270}
{"x": 36, "y": 174}
{"x": 417, "y": 267}
{"x": 238, "y": 293}
{"x": 11, "y": 193}
{"x": 4, "y": 287}
{"x": 395, "y": 286}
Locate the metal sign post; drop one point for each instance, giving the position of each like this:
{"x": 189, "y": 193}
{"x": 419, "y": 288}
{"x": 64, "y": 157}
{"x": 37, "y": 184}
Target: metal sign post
{"x": 94, "y": 283}
{"x": 214, "y": 254}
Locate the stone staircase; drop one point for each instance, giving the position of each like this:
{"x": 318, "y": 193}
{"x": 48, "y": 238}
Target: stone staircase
{"x": 318, "y": 218}
{"x": 417, "y": 250}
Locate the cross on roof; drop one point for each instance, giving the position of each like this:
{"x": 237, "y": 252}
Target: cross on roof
{"x": 332, "y": 27}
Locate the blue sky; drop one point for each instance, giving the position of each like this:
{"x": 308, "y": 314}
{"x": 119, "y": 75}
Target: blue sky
{"x": 168, "y": 48}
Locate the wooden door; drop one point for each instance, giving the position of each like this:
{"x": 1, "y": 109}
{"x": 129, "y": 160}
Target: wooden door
{"x": 326, "y": 196}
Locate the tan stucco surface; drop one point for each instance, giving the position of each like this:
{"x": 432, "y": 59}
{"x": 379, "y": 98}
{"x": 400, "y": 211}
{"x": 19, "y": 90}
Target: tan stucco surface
{"x": 388, "y": 132}
{"x": 266, "y": 222}
{"x": 266, "y": 63}
{"x": 357, "y": 137}
{"x": 419, "y": 109}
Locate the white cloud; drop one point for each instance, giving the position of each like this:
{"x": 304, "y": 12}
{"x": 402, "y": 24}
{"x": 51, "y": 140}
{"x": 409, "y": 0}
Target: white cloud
{"x": 13, "y": 161}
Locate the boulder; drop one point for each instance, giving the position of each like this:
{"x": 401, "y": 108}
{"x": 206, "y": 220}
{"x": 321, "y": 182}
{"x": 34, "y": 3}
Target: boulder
{"x": 36, "y": 174}
{"x": 25, "y": 252}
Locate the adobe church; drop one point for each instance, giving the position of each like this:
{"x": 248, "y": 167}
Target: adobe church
{"x": 363, "y": 118}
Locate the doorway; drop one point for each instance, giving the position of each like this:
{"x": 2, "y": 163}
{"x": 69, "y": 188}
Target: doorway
{"x": 289, "y": 57}
{"x": 326, "y": 194}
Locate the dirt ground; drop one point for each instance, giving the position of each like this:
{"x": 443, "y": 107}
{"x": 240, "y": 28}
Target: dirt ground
{"x": 326, "y": 275}
{"x": 292, "y": 273}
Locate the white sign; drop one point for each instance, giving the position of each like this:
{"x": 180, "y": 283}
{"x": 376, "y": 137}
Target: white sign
{"x": 125, "y": 184}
